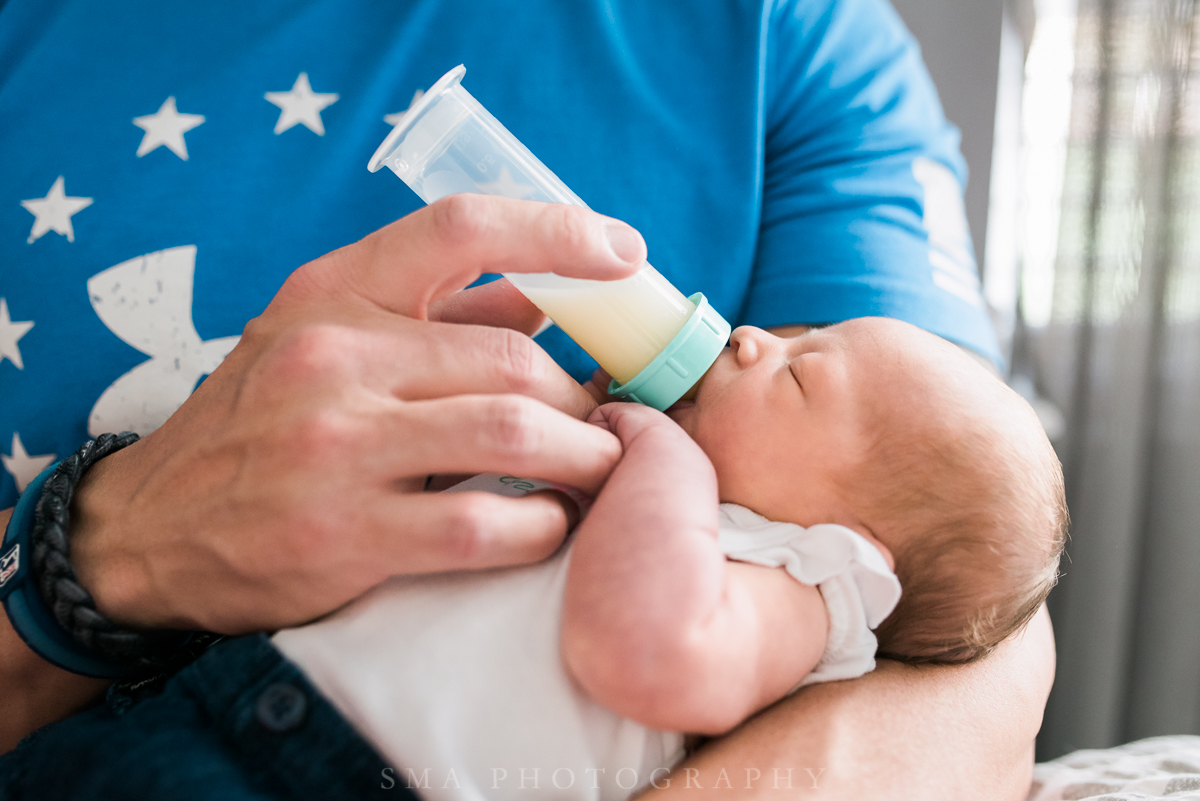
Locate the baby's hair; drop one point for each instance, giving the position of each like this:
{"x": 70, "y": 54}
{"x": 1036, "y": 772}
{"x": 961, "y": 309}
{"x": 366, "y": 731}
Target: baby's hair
{"x": 974, "y": 500}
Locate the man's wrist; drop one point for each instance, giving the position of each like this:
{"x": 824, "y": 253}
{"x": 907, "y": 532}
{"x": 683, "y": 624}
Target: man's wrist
{"x": 101, "y": 537}
{"x": 46, "y": 605}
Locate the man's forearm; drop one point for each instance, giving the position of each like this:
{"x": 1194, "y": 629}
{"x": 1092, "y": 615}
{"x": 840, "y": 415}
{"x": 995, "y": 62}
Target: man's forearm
{"x": 34, "y": 692}
{"x": 900, "y": 732}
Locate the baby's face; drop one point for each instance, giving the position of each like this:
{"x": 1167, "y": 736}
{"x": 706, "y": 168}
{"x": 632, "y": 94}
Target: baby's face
{"x": 783, "y": 419}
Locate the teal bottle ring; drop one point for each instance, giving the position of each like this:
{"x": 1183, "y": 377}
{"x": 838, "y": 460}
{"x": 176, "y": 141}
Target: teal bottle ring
{"x": 681, "y": 364}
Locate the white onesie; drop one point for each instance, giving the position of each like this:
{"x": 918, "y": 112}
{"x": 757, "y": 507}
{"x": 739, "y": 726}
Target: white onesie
{"x": 456, "y": 679}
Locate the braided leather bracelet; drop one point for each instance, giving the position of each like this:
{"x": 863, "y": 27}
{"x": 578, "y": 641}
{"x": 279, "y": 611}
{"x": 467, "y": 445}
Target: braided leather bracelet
{"x": 49, "y": 609}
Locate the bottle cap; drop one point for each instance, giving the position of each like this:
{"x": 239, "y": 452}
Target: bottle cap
{"x": 392, "y": 142}
{"x": 681, "y": 364}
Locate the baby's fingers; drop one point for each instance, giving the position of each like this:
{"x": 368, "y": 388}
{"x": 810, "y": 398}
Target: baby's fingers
{"x": 629, "y": 420}
{"x": 597, "y": 386}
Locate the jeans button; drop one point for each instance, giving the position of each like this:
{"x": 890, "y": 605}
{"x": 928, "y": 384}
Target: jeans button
{"x": 281, "y": 708}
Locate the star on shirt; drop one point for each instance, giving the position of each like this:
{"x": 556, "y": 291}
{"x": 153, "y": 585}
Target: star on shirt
{"x": 166, "y": 127}
{"x": 23, "y": 467}
{"x": 397, "y": 118}
{"x": 505, "y": 186}
{"x": 53, "y": 212}
{"x": 10, "y": 334}
{"x": 301, "y": 105}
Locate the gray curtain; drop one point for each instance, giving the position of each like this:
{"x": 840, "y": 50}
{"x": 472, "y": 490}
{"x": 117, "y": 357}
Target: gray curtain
{"x": 1119, "y": 354}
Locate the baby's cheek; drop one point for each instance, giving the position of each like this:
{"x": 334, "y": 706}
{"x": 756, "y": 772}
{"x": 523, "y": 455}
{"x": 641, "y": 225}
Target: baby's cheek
{"x": 739, "y": 448}
{"x": 684, "y": 415}
{"x": 740, "y": 476}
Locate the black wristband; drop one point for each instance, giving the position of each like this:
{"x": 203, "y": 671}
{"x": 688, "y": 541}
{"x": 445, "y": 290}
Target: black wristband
{"x": 45, "y": 590}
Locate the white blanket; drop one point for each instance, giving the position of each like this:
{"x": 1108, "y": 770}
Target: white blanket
{"x": 1158, "y": 767}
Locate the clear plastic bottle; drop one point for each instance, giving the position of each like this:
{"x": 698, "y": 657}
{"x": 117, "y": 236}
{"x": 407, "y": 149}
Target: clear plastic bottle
{"x": 653, "y": 341}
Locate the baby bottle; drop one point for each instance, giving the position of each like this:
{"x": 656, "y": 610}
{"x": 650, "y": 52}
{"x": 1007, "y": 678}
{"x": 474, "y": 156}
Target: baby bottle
{"x": 654, "y": 342}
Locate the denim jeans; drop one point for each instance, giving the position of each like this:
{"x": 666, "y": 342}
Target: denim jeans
{"x": 240, "y": 723}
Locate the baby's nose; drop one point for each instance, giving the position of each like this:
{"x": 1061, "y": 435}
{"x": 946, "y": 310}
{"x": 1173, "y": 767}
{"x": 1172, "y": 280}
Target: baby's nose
{"x": 746, "y": 343}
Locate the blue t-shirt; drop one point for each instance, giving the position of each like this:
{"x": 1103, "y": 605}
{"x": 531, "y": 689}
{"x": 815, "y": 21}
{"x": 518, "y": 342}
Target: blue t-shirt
{"x": 165, "y": 166}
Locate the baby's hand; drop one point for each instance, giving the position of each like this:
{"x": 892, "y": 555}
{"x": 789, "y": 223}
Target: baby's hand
{"x": 657, "y": 625}
{"x": 631, "y": 417}
{"x": 664, "y": 456}
{"x": 597, "y": 386}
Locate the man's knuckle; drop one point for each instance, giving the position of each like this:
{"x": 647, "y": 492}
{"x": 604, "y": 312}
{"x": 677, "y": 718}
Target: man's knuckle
{"x": 256, "y": 333}
{"x": 469, "y": 527}
{"x": 314, "y": 351}
{"x": 323, "y": 436}
{"x": 459, "y": 219}
{"x": 518, "y": 361}
{"x": 513, "y": 426}
{"x": 573, "y": 229}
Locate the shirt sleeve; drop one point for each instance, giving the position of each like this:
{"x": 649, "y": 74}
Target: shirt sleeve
{"x": 862, "y": 190}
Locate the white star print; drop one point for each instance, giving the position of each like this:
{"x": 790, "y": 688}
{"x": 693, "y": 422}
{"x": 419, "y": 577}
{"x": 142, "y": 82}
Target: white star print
{"x": 505, "y": 186}
{"x": 395, "y": 119}
{"x": 53, "y": 212}
{"x": 166, "y": 127}
{"x": 10, "y": 334}
{"x": 23, "y": 467}
{"x": 301, "y": 105}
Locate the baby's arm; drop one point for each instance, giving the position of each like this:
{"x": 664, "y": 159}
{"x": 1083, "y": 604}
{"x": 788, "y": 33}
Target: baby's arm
{"x": 657, "y": 625}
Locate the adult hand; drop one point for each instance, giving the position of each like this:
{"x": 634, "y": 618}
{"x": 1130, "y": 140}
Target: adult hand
{"x": 291, "y": 481}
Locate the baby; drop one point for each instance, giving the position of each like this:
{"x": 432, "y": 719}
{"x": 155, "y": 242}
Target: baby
{"x": 839, "y": 456}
